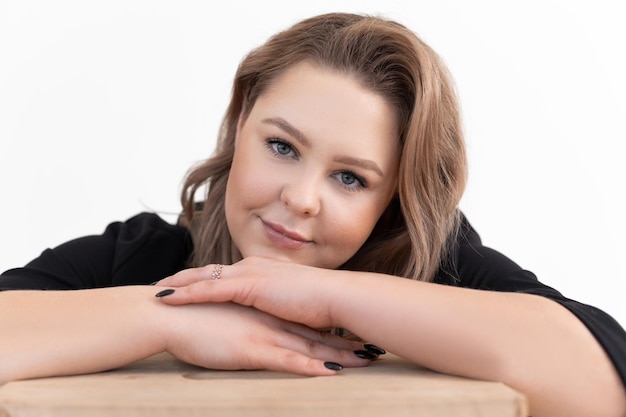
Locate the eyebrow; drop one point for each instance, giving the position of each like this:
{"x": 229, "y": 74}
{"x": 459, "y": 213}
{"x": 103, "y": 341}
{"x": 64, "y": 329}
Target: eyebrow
{"x": 289, "y": 128}
{"x": 301, "y": 137}
{"x": 363, "y": 163}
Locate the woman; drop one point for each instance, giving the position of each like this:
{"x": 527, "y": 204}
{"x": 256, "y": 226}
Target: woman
{"x": 332, "y": 200}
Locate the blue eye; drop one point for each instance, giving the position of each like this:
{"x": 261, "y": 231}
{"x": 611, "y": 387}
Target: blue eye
{"x": 281, "y": 148}
{"x": 350, "y": 181}
{"x": 347, "y": 178}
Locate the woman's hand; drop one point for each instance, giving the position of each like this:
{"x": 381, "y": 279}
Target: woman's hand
{"x": 114, "y": 326}
{"x": 290, "y": 291}
{"x": 231, "y": 336}
{"x": 270, "y": 297}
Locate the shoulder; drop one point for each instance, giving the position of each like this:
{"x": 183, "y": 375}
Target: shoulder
{"x": 472, "y": 264}
{"x": 145, "y": 227}
{"x": 139, "y": 250}
{"x": 146, "y": 240}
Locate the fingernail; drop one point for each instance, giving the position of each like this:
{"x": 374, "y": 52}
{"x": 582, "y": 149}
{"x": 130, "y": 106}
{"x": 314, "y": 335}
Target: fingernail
{"x": 155, "y": 283}
{"x": 374, "y": 349}
{"x": 334, "y": 366}
{"x": 364, "y": 354}
{"x": 164, "y": 293}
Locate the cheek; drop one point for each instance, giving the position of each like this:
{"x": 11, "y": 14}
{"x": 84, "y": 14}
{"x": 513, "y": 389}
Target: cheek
{"x": 354, "y": 225}
{"x": 248, "y": 184}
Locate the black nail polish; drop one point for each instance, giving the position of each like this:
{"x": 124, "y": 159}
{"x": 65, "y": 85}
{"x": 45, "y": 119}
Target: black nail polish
{"x": 374, "y": 349}
{"x": 364, "y": 354}
{"x": 154, "y": 283}
{"x": 164, "y": 293}
{"x": 334, "y": 366}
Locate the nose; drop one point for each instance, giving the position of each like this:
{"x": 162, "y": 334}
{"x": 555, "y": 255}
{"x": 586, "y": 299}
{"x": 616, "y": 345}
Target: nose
{"x": 302, "y": 195}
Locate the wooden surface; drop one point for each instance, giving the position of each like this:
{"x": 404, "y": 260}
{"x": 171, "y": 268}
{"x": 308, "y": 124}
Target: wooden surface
{"x": 163, "y": 386}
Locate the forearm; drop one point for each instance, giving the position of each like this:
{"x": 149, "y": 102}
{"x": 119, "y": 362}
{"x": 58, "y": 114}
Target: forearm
{"x": 528, "y": 342}
{"x": 47, "y": 333}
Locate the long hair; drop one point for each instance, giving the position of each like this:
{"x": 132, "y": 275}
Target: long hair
{"x": 412, "y": 236}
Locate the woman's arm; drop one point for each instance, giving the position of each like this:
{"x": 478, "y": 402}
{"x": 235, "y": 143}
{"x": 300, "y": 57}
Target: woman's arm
{"x": 50, "y": 333}
{"x": 46, "y": 333}
{"x": 528, "y": 342}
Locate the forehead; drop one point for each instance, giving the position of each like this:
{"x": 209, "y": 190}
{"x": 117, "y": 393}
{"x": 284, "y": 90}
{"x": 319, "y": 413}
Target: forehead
{"x": 326, "y": 103}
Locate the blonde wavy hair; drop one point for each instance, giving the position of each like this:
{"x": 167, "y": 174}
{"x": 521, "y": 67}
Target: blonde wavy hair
{"x": 412, "y": 237}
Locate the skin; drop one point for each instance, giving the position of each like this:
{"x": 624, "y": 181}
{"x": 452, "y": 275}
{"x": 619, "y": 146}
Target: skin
{"x": 530, "y": 343}
{"x": 111, "y": 327}
{"x": 314, "y": 168}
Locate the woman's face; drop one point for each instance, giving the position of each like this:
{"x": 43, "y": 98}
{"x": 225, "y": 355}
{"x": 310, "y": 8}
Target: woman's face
{"x": 315, "y": 165}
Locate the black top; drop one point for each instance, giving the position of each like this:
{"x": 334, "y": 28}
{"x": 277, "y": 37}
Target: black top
{"x": 145, "y": 249}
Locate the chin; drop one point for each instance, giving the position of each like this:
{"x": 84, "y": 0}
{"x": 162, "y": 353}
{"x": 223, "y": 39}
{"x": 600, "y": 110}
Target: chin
{"x": 285, "y": 256}
{"x": 273, "y": 255}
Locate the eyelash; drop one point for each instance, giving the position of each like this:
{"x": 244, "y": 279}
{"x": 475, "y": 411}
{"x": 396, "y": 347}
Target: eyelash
{"x": 362, "y": 184}
{"x": 271, "y": 144}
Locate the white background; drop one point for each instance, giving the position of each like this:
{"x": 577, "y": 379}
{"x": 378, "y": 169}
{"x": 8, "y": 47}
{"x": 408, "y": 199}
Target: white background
{"x": 104, "y": 106}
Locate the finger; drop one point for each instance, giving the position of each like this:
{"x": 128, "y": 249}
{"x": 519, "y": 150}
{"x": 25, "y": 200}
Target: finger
{"x": 287, "y": 360}
{"x": 324, "y": 337}
{"x": 207, "y": 291}
{"x": 315, "y": 349}
{"x": 190, "y": 275}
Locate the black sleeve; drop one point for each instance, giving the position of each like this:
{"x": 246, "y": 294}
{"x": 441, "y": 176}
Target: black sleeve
{"x": 477, "y": 266}
{"x": 140, "y": 250}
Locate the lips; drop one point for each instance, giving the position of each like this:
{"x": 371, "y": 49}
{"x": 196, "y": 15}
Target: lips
{"x": 282, "y": 237}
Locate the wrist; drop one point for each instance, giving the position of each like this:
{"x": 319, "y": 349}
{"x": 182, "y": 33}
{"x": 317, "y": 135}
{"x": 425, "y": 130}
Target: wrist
{"x": 156, "y": 319}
